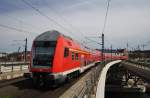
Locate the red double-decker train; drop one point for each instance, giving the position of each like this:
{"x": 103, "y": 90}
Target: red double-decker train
{"x": 56, "y": 58}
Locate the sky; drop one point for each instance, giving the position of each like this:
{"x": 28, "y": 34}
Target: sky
{"x": 128, "y": 21}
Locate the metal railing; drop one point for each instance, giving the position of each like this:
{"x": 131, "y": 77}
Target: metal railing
{"x": 13, "y": 66}
{"x": 84, "y": 88}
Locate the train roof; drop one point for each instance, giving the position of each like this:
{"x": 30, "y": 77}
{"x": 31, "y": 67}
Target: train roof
{"x": 53, "y": 35}
{"x": 50, "y": 36}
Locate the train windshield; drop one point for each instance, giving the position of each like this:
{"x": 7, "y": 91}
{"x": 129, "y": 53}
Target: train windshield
{"x": 43, "y": 53}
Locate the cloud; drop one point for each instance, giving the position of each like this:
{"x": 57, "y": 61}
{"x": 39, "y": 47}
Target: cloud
{"x": 128, "y": 21}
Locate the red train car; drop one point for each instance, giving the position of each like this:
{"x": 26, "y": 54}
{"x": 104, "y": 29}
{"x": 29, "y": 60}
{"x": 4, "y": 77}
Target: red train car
{"x": 56, "y": 57}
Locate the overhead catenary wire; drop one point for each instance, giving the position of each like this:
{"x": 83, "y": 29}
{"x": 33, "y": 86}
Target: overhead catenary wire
{"x": 43, "y": 14}
{"x": 14, "y": 28}
{"x": 105, "y": 19}
{"x": 23, "y": 22}
{"x": 52, "y": 20}
{"x": 49, "y": 18}
{"x": 72, "y": 25}
{"x": 81, "y": 3}
{"x": 65, "y": 20}
{"x": 93, "y": 41}
{"x": 46, "y": 16}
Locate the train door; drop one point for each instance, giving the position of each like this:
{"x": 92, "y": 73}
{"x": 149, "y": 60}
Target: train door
{"x": 82, "y": 60}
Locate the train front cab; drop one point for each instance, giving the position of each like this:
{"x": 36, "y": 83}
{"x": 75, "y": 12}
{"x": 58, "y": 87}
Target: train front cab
{"x": 53, "y": 60}
{"x": 43, "y": 64}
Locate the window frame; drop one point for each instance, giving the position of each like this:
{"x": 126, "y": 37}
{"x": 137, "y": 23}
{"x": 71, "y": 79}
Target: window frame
{"x": 66, "y": 52}
{"x": 76, "y": 56}
{"x": 73, "y": 55}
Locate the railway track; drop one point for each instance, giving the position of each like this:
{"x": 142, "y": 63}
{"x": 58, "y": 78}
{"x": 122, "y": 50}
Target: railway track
{"x": 11, "y": 81}
{"x": 23, "y": 88}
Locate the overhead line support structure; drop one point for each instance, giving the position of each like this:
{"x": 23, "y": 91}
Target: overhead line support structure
{"x": 102, "y": 54}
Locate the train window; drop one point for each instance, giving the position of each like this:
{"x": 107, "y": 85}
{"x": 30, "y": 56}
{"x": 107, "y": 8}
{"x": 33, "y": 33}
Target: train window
{"x": 66, "y": 52}
{"x": 45, "y": 43}
{"x": 77, "y": 56}
{"x": 43, "y": 53}
{"x": 72, "y": 55}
